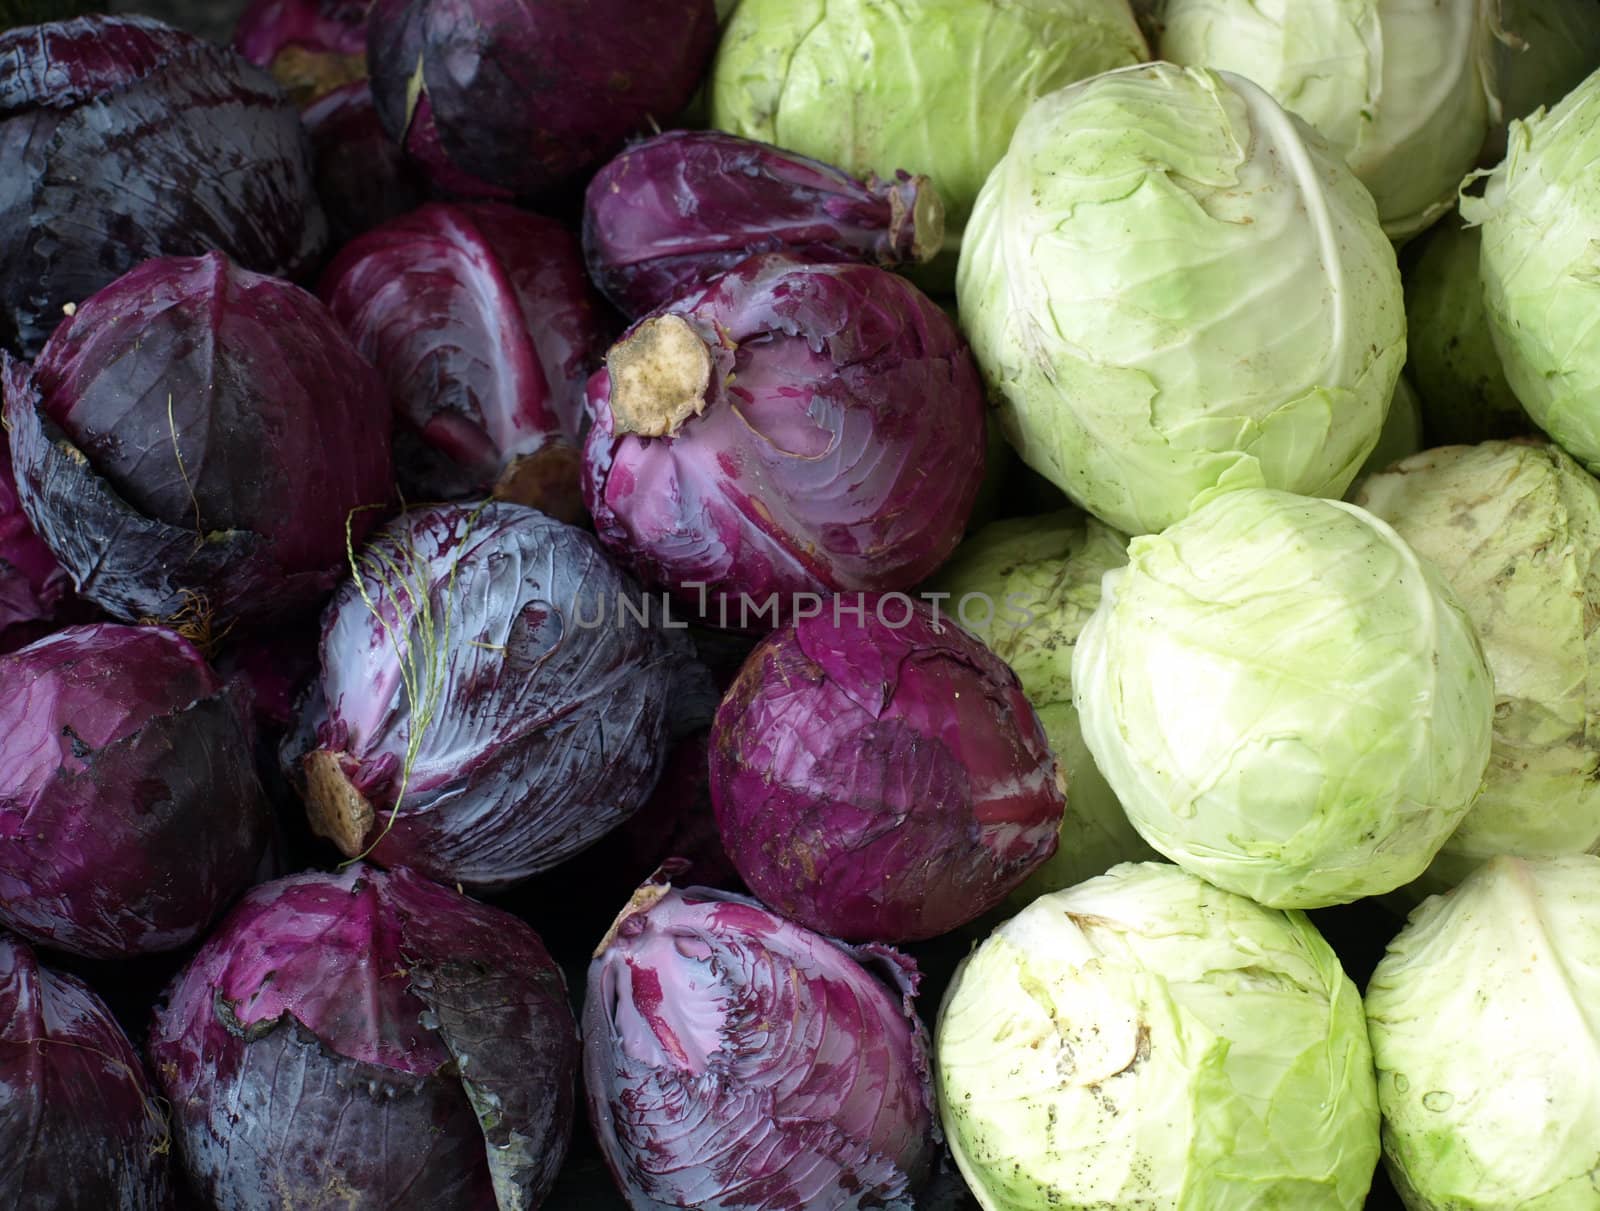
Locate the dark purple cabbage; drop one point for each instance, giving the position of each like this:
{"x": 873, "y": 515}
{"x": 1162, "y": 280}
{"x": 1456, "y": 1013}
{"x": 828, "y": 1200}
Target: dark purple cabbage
{"x": 881, "y": 776}
{"x": 122, "y": 139}
{"x": 32, "y": 583}
{"x": 791, "y": 429}
{"x": 523, "y": 97}
{"x": 78, "y": 1127}
{"x": 675, "y": 210}
{"x": 735, "y": 1060}
{"x": 193, "y": 443}
{"x": 363, "y": 177}
{"x": 130, "y": 812}
{"x": 486, "y": 329}
{"x": 368, "y": 1039}
{"x": 311, "y": 47}
{"x": 490, "y": 663}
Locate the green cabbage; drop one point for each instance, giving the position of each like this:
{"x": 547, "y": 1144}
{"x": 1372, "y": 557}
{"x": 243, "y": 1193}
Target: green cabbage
{"x": 1287, "y": 701}
{"x": 1540, "y": 265}
{"x": 1485, "y": 1024}
{"x": 1515, "y": 528}
{"x": 1403, "y": 89}
{"x": 1148, "y": 1041}
{"x": 1171, "y": 284}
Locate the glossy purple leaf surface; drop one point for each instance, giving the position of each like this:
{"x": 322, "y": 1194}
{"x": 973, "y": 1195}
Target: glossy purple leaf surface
{"x": 122, "y": 139}
{"x": 32, "y": 583}
{"x": 485, "y": 327}
{"x": 496, "y": 669}
{"x": 130, "y": 812}
{"x": 362, "y": 176}
{"x": 527, "y": 96}
{"x": 194, "y": 441}
{"x": 823, "y": 430}
{"x": 735, "y": 1060}
{"x": 882, "y": 777}
{"x": 78, "y": 1124}
{"x": 674, "y": 210}
{"x": 372, "y": 1039}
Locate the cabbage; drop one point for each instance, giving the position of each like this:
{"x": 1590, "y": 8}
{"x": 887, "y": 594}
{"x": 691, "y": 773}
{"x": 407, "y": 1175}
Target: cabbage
{"x": 735, "y": 1060}
{"x": 933, "y": 86}
{"x": 771, "y": 436}
{"x": 362, "y": 177}
{"x": 1144, "y": 1040}
{"x": 493, "y": 697}
{"x": 485, "y": 328}
{"x": 1286, "y": 699}
{"x": 122, "y": 139}
{"x": 1451, "y": 356}
{"x": 311, "y": 47}
{"x": 495, "y": 99}
{"x": 32, "y": 583}
{"x": 1540, "y": 265}
{"x": 1026, "y": 587}
{"x": 79, "y": 1127}
{"x": 368, "y": 1039}
{"x": 878, "y": 774}
{"x": 198, "y": 444}
{"x": 1484, "y": 1016}
{"x": 1404, "y": 90}
{"x": 1515, "y": 528}
{"x": 1171, "y": 284}
{"x": 671, "y": 212}
{"x": 130, "y": 813}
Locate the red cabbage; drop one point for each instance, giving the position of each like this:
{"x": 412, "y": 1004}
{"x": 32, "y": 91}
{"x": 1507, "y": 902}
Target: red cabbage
{"x": 774, "y": 435}
{"x": 733, "y": 1059}
{"x": 368, "y": 1039}
{"x": 130, "y": 812}
{"x": 192, "y": 443}
{"x": 363, "y": 177}
{"x": 492, "y": 666}
{"x": 878, "y": 773}
{"x": 526, "y": 96}
{"x": 311, "y": 47}
{"x": 122, "y": 139}
{"x": 673, "y": 211}
{"x": 78, "y": 1127}
{"x": 32, "y": 583}
{"x": 486, "y": 329}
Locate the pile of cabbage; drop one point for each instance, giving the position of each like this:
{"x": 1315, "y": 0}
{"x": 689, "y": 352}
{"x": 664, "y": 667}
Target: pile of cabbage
{"x": 801, "y": 606}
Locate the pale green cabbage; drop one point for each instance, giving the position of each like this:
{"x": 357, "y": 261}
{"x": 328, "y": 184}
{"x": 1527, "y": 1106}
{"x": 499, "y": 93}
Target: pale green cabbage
{"x": 1540, "y": 266}
{"x": 1515, "y": 528}
{"x": 1403, "y": 89}
{"x": 1485, "y": 1024}
{"x": 1287, "y": 701}
{"x": 1170, "y": 284}
{"x": 1145, "y": 1040}
{"x": 1041, "y": 576}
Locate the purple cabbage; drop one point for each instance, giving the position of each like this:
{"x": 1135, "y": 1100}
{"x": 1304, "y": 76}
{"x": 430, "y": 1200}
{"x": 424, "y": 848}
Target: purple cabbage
{"x": 675, "y": 210}
{"x": 130, "y": 811}
{"x": 311, "y": 47}
{"x": 368, "y": 1039}
{"x": 122, "y": 139}
{"x": 363, "y": 177}
{"x": 32, "y": 583}
{"x": 774, "y": 435}
{"x": 733, "y": 1059}
{"x": 878, "y": 774}
{"x": 193, "y": 443}
{"x": 491, "y": 666}
{"x": 78, "y": 1127}
{"x": 486, "y": 329}
{"x": 523, "y": 97}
